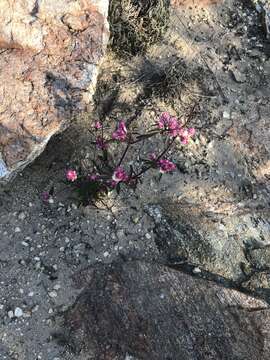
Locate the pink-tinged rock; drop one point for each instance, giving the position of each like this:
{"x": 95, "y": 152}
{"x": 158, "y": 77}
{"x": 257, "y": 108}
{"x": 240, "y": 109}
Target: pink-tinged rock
{"x": 50, "y": 52}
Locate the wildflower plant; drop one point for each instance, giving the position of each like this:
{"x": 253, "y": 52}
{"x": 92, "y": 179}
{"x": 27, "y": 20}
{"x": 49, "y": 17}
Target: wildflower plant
{"x": 110, "y": 173}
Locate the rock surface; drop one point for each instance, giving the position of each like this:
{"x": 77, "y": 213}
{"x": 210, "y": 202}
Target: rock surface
{"x": 152, "y": 312}
{"x": 50, "y": 52}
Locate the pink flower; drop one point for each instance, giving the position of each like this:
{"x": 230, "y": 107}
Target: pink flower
{"x": 71, "y": 175}
{"x": 93, "y": 177}
{"x": 112, "y": 183}
{"x": 185, "y": 135}
{"x": 167, "y": 122}
{"x": 152, "y": 156}
{"x": 174, "y": 127}
{"x": 100, "y": 143}
{"x": 98, "y": 125}
{"x": 119, "y": 175}
{"x": 164, "y": 120}
{"x": 45, "y": 196}
{"x": 121, "y": 132}
{"x": 166, "y": 166}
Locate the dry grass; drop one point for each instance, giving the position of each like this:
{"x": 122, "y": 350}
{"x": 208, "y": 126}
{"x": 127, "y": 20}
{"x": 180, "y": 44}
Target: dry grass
{"x": 136, "y": 24}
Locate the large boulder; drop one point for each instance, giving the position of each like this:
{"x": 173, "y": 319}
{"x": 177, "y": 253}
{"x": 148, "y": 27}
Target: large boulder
{"x": 138, "y": 310}
{"x": 49, "y": 57}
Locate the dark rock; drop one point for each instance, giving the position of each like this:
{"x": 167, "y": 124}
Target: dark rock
{"x": 152, "y": 312}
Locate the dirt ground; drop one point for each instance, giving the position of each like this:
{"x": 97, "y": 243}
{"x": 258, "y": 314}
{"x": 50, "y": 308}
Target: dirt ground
{"x": 213, "y": 59}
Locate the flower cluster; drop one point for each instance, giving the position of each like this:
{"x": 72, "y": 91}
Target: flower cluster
{"x": 166, "y": 166}
{"x": 121, "y": 132}
{"x": 174, "y": 128}
{"x": 108, "y": 174}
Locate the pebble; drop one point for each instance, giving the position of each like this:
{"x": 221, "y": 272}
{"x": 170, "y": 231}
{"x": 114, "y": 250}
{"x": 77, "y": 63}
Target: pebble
{"x": 106, "y": 254}
{"x": 17, "y": 229}
{"x": 197, "y": 270}
{"x": 148, "y": 236}
{"x": 52, "y": 294}
{"x": 10, "y": 314}
{"x": 226, "y": 115}
{"x": 135, "y": 219}
{"x": 120, "y": 233}
{"x": 21, "y": 216}
{"x": 18, "y": 312}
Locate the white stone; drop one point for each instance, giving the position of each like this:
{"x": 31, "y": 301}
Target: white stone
{"x": 10, "y": 314}
{"x": 18, "y": 312}
{"x": 52, "y": 294}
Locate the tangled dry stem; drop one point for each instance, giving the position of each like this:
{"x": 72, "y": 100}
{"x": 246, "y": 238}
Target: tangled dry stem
{"x": 137, "y": 24}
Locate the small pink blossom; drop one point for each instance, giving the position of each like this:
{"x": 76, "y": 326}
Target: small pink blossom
{"x": 185, "y": 135}
{"x": 166, "y": 166}
{"x": 45, "y": 196}
{"x": 98, "y": 125}
{"x": 119, "y": 175}
{"x": 174, "y": 127}
{"x": 164, "y": 120}
{"x": 112, "y": 183}
{"x": 93, "y": 177}
{"x": 121, "y": 132}
{"x": 191, "y": 132}
{"x": 71, "y": 175}
{"x": 100, "y": 143}
{"x": 153, "y": 156}
{"x": 169, "y": 123}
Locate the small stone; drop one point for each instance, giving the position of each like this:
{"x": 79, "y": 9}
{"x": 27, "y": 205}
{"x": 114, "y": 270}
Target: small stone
{"x": 148, "y": 236}
{"x": 135, "y": 219}
{"x": 21, "y": 216}
{"x": 10, "y": 314}
{"x": 226, "y": 115}
{"x": 52, "y": 294}
{"x": 31, "y": 294}
{"x": 18, "y": 312}
{"x": 197, "y": 270}
{"x": 24, "y": 244}
{"x": 17, "y": 229}
{"x": 238, "y": 76}
{"x": 106, "y": 254}
{"x": 35, "y": 308}
{"x": 57, "y": 287}
{"x": 120, "y": 233}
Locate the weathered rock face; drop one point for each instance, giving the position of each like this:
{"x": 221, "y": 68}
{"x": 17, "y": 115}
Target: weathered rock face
{"x": 139, "y": 310}
{"x": 49, "y": 56}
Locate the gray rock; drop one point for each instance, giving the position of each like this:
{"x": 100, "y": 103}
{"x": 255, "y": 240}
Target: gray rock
{"x": 121, "y": 311}
{"x": 260, "y": 258}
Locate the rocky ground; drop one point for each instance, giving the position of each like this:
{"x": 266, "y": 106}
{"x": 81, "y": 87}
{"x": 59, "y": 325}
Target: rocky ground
{"x": 210, "y": 219}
